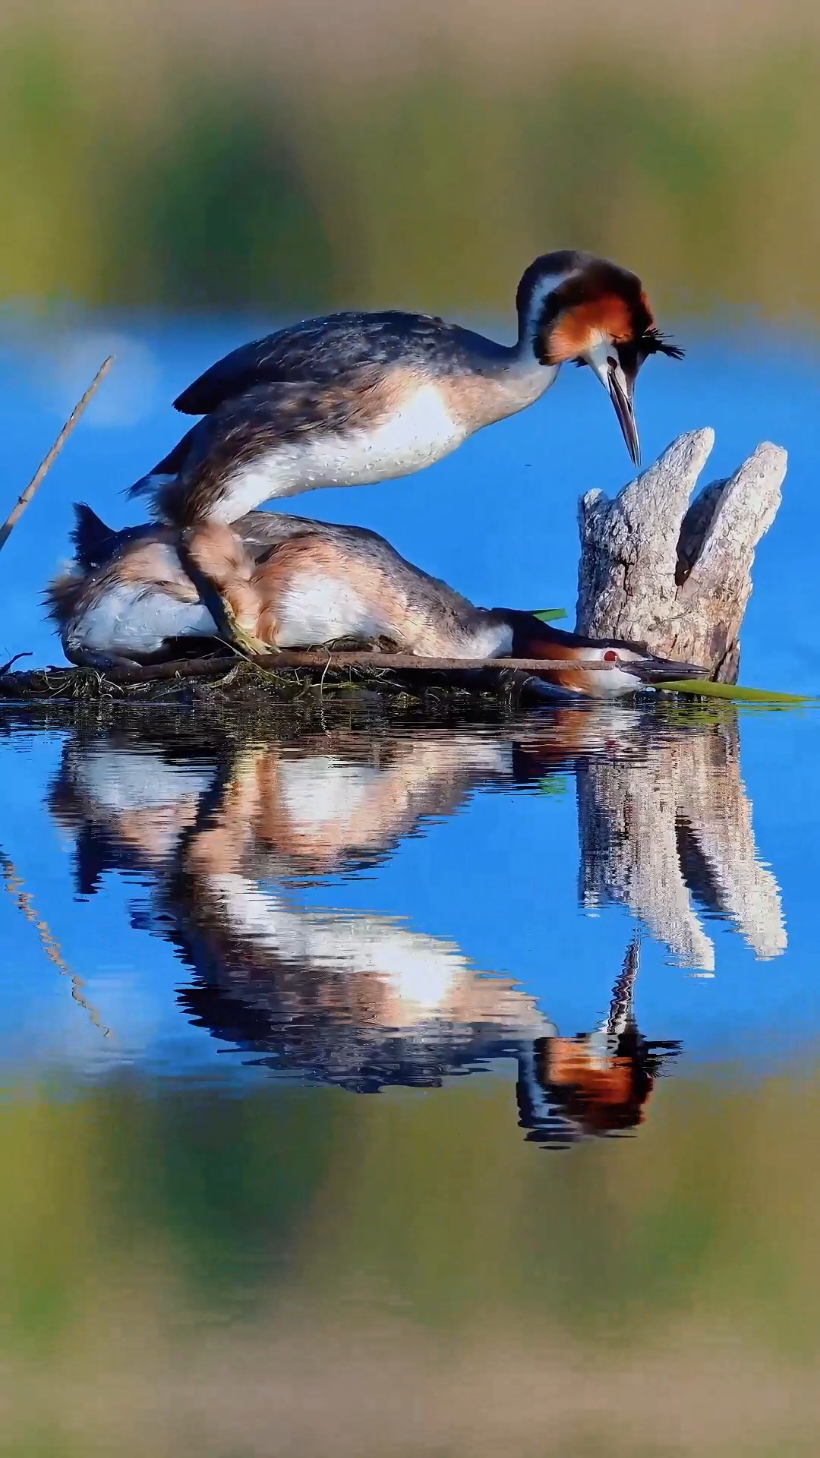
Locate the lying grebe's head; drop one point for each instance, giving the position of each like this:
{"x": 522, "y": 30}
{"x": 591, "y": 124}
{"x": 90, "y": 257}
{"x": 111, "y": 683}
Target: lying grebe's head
{"x": 575, "y": 307}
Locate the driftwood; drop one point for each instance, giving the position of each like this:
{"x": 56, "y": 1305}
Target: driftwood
{"x": 318, "y": 661}
{"x": 673, "y": 574}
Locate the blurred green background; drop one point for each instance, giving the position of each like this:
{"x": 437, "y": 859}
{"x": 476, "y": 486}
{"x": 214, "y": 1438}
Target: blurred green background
{"x": 311, "y": 1272}
{"x": 300, "y": 154}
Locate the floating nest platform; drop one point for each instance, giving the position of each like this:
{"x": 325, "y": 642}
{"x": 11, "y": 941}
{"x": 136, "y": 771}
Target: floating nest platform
{"x": 284, "y": 679}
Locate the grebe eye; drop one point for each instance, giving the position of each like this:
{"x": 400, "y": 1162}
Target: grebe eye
{"x": 610, "y": 656}
{"x": 613, "y": 363}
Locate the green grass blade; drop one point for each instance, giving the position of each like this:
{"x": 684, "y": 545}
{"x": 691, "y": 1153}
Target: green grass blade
{"x": 550, "y": 615}
{"x": 704, "y": 688}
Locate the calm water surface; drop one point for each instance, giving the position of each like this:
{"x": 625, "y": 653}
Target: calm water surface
{"x": 399, "y": 1087}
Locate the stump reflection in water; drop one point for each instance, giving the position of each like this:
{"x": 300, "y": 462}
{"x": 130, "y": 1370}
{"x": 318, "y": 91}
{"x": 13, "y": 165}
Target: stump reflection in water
{"x": 676, "y": 825}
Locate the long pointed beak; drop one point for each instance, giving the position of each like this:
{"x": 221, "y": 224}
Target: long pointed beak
{"x": 601, "y": 358}
{"x": 624, "y": 409}
{"x": 661, "y": 670}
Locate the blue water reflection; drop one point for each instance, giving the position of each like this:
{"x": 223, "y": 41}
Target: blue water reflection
{"x": 376, "y": 903}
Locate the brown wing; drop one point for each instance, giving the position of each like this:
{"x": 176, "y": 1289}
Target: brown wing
{"x": 339, "y": 348}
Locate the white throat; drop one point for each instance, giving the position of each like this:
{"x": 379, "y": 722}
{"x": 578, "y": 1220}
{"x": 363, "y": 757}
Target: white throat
{"x": 535, "y": 307}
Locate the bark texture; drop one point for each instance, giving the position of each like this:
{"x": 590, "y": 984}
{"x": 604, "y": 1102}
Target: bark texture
{"x": 675, "y": 573}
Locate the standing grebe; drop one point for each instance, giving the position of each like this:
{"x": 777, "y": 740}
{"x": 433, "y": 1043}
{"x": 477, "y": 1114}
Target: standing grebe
{"x": 287, "y": 582}
{"x": 356, "y": 397}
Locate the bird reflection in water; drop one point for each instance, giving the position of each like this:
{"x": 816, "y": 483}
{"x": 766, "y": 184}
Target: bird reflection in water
{"x": 360, "y": 1000}
{"x": 596, "y": 1083}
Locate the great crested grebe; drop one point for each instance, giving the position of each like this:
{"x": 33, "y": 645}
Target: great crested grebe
{"x": 287, "y": 582}
{"x": 357, "y": 397}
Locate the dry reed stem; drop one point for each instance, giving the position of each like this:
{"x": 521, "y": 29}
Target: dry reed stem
{"x": 49, "y": 459}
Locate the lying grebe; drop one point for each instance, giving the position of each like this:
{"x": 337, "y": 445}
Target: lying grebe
{"x": 357, "y": 397}
{"x": 288, "y": 582}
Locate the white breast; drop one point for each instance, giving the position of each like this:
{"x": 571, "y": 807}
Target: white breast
{"x": 128, "y": 619}
{"x": 420, "y": 432}
{"x": 318, "y": 609}
{"x": 482, "y": 640}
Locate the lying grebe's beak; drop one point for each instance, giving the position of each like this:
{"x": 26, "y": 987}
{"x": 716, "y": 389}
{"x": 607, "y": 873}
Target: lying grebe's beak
{"x": 654, "y": 671}
{"x": 604, "y": 361}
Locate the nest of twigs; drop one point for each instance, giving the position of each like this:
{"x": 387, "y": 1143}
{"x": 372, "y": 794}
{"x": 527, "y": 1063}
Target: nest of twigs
{"x": 286, "y": 679}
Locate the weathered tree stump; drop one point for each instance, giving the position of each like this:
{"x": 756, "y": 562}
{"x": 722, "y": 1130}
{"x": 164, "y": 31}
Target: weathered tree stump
{"x": 675, "y": 574}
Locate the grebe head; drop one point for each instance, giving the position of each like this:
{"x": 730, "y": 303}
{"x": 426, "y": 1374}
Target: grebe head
{"x": 575, "y": 307}
{"x": 631, "y": 666}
